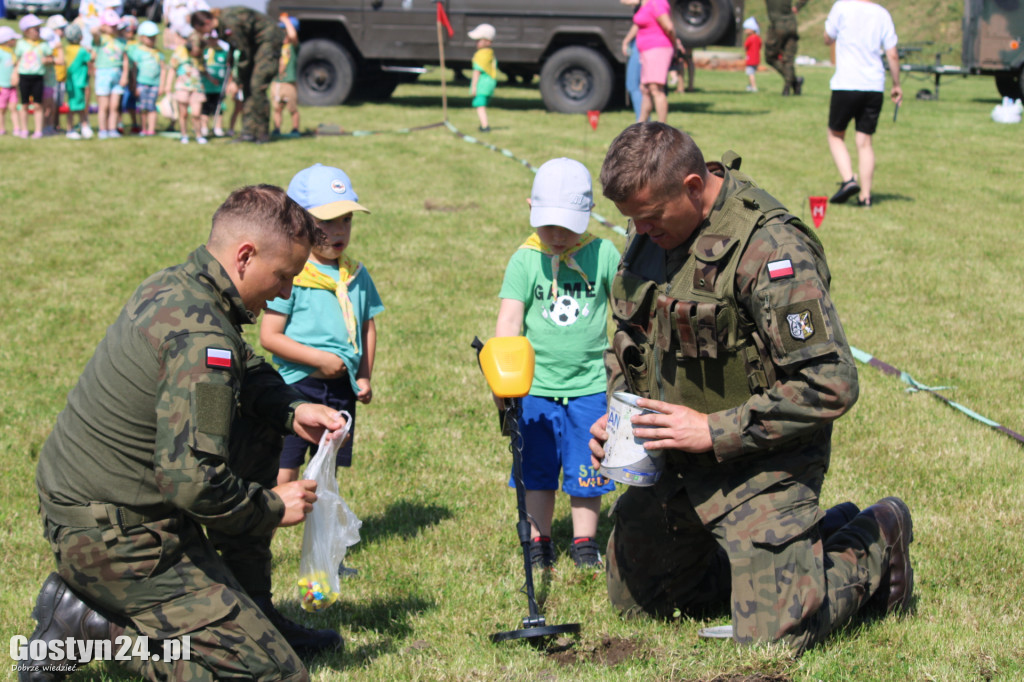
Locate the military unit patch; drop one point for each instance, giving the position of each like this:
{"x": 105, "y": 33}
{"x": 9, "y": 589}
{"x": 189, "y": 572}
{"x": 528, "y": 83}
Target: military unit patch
{"x": 800, "y": 326}
{"x": 218, "y": 357}
{"x": 777, "y": 269}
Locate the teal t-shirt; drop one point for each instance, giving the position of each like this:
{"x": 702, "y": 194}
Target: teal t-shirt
{"x": 569, "y": 334}
{"x": 78, "y": 70}
{"x": 110, "y": 54}
{"x": 6, "y": 67}
{"x": 148, "y": 61}
{"x": 30, "y": 56}
{"x": 315, "y": 320}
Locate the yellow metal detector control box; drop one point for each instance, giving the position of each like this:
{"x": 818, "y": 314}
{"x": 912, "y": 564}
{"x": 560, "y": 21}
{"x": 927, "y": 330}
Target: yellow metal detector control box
{"x": 507, "y": 362}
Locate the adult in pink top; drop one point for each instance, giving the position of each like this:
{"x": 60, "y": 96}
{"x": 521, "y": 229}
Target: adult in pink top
{"x": 656, "y": 42}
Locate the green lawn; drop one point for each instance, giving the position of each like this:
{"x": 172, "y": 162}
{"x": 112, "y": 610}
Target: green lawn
{"x": 927, "y": 280}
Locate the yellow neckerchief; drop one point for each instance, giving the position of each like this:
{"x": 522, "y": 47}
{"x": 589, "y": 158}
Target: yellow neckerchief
{"x": 312, "y": 278}
{"x": 484, "y": 58}
{"x": 566, "y": 257}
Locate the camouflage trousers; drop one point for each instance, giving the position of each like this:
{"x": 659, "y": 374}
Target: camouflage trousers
{"x": 759, "y": 552}
{"x": 780, "y": 48}
{"x": 165, "y": 578}
{"x": 255, "y": 75}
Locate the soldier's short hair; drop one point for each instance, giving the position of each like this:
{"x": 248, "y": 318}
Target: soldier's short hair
{"x": 263, "y": 211}
{"x": 650, "y": 155}
{"x": 199, "y": 18}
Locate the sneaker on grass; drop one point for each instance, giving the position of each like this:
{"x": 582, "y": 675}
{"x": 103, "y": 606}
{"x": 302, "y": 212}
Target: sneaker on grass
{"x": 542, "y": 553}
{"x": 585, "y": 553}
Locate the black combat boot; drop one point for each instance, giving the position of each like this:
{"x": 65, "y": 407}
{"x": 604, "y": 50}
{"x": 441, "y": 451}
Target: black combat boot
{"x": 60, "y": 614}
{"x": 892, "y": 516}
{"x": 305, "y": 641}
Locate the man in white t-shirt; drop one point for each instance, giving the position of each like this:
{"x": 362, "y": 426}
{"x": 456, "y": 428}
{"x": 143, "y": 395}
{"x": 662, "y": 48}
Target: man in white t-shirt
{"x": 861, "y": 31}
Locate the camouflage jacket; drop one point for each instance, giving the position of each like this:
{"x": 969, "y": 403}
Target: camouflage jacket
{"x": 244, "y": 29}
{"x": 148, "y": 423}
{"x": 781, "y": 290}
{"x": 783, "y": 9}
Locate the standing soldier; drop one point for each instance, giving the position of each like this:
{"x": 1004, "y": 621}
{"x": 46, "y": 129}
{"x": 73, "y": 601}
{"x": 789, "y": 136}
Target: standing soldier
{"x": 780, "y": 45}
{"x": 157, "y": 486}
{"x": 258, "y": 40}
{"x": 726, "y": 329}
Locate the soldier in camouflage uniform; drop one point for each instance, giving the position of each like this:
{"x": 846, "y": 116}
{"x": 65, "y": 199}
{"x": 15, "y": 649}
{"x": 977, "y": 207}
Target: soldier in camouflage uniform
{"x": 175, "y": 426}
{"x": 725, "y": 327}
{"x": 258, "y": 40}
{"x": 781, "y": 42}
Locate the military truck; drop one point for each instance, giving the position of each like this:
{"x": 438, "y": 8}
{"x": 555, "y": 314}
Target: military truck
{"x": 365, "y": 48}
{"x": 994, "y": 42}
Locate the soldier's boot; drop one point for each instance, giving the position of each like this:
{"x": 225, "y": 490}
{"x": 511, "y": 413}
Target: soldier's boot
{"x": 798, "y": 86}
{"x": 892, "y": 517}
{"x": 305, "y": 641}
{"x": 60, "y": 614}
{"x": 837, "y": 517}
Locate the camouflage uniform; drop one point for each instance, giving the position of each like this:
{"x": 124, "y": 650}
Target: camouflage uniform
{"x": 781, "y": 41}
{"x": 258, "y": 39}
{"x": 157, "y": 441}
{"x": 738, "y": 324}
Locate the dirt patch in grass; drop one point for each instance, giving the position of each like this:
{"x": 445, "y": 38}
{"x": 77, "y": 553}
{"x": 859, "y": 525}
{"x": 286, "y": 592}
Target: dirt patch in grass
{"x": 609, "y": 651}
{"x": 751, "y": 678}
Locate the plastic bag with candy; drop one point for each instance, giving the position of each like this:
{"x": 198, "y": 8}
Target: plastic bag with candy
{"x": 331, "y": 528}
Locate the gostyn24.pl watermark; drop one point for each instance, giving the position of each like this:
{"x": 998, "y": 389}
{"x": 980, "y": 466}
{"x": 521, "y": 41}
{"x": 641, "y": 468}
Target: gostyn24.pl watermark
{"x": 68, "y": 654}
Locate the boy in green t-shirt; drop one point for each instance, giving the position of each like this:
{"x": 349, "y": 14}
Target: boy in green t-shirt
{"x": 76, "y": 84}
{"x": 284, "y": 93}
{"x": 556, "y": 291}
{"x": 149, "y": 75}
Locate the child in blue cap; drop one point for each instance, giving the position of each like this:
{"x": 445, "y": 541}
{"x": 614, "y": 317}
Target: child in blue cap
{"x": 324, "y": 337}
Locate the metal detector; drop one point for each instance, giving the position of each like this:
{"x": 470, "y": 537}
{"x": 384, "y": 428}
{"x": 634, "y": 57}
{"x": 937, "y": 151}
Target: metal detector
{"x": 507, "y": 363}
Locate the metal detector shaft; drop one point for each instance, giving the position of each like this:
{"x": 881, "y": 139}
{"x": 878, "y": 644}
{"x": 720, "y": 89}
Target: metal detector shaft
{"x": 523, "y": 525}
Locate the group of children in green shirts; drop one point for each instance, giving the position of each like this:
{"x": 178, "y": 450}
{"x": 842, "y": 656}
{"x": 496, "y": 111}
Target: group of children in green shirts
{"x": 127, "y": 73}
{"x": 555, "y": 292}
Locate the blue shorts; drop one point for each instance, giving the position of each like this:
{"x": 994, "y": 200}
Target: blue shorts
{"x": 336, "y": 393}
{"x": 556, "y": 434}
{"x": 146, "y": 97}
{"x": 128, "y": 100}
{"x": 108, "y": 82}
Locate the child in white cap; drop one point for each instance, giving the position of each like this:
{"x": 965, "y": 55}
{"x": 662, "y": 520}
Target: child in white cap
{"x": 149, "y": 75}
{"x": 31, "y": 55}
{"x": 8, "y": 93}
{"x": 76, "y": 85}
{"x": 752, "y": 46}
{"x": 485, "y": 72}
{"x": 555, "y": 292}
{"x": 324, "y": 337}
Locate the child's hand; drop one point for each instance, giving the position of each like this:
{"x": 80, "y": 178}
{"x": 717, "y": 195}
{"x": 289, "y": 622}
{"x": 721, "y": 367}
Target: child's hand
{"x": 365, "y": 394}
{"x": 331, "y": 366}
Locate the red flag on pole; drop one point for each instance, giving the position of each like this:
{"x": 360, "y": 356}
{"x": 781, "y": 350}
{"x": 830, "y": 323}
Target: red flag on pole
{"x": 593, "y": 117}
{"x": 442, "y": 19}
{"x": 818, "y": 205}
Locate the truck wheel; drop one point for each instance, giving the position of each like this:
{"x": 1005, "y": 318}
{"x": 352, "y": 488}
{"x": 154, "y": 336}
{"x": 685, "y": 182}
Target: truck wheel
{"x": 575, "y": 80}
{"x": 1009, "y": 83}
{"x": 325, "y": 73}
{"x": 701, "y": 22}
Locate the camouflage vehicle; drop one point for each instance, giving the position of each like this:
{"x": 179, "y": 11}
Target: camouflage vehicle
{"x": 364, "y": 48}
{"x": 994, "y": 42}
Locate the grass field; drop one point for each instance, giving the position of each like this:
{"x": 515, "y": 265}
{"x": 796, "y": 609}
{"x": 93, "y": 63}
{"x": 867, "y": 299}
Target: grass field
{"x": 927, "y": 280}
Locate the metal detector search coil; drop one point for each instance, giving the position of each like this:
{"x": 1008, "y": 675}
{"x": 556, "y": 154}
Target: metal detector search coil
{"x": 507, "y": 362}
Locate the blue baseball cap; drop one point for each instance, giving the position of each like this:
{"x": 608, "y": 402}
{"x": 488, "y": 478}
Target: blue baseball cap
{"x": 325, "y": 192}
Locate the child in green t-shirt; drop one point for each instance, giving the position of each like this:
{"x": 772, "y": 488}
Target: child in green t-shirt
{"x": 556, "y": 292}
{"x": 149, "y": 75}
{"x": 485, "y": 72}
{"x": 76, "y": 83}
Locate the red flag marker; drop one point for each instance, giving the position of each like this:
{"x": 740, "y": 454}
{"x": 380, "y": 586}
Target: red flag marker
{"x": 593, "y": 117}
{"x": 818, "y": 205}
{"x": 442, "y": 18}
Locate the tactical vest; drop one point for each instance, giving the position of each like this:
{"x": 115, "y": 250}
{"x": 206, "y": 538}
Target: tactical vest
{"x": 687, "y": 341}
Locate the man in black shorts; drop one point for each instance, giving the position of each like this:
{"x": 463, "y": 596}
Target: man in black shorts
{"x": 860, "y": 30}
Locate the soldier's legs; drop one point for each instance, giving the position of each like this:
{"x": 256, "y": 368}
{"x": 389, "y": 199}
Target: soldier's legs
{"x": 660, "y": 557}
{"x": 773, "y": 49}
{"x": 167, "y": 581}
{"x": 789, "y": 48}
{"x": 785, "y": 585}
{"x": 256, "y": 114}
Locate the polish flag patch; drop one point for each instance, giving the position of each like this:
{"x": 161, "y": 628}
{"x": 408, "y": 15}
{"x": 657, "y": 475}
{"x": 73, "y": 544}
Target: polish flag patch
{"x": 218, "y": 357}
{"x": 777, "y": 269}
